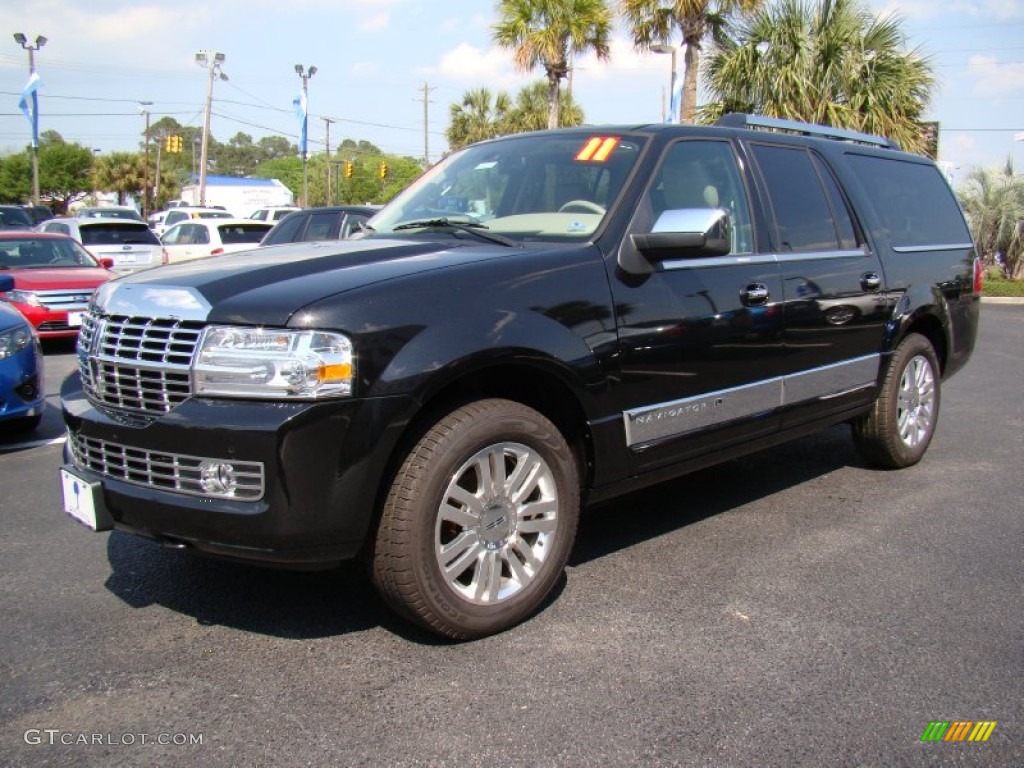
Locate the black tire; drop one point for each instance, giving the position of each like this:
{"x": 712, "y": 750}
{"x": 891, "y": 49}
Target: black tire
{"x": 899, "y": 428}
{"x": 461, "y": 554}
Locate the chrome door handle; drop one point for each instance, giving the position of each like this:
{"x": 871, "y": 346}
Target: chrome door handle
{"x": 870, "y": 281}
{"x": 755, "y": 294}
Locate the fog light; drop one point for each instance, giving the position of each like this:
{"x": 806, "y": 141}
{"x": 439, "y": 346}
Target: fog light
{"x": 217, "y": 478}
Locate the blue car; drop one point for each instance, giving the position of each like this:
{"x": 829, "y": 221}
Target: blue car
{"x": 21, "y": 369}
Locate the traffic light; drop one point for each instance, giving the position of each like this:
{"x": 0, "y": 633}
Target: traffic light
{"x": 348, "y": 169}
{"x": 383, "y": 170}
{"x": 177, "y": 143}
{"x": 169, "y": 143}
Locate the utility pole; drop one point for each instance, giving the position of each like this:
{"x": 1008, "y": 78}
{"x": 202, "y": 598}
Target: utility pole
{"x": 146, "y": 204}
{"x": 327, "y": 124}
{"x": 32, "y": 87}
{"x": 304, "y": 116}
{"x": 214, "y": 64}
{"x": 426, "y": 143}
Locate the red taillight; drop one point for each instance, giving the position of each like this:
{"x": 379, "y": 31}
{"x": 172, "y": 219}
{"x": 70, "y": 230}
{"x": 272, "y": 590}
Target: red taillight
{"x": 979, "y": 276}
{"x": 164, "y": 258}
{"x": 216, "y": 251}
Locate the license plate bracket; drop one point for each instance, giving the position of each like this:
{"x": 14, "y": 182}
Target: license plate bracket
{"x": 83, "y": 500}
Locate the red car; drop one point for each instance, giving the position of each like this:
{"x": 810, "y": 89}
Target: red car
{"x": 54, "y": 277}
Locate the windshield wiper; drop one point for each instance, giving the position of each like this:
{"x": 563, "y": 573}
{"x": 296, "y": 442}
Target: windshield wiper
{"x": 473, "y": 227}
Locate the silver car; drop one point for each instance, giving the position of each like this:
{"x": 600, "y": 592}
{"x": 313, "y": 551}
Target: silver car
{"x": 131, "y": 244}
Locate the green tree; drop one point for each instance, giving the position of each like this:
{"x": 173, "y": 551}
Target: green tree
{"x": 121, "y": 172}
{"x": 64, "y": 172}
{"x": 479, "y": 116}
{"x": 993, "y": 200}
{"x": 529, "y": 113}
{"x": 831, "y": 62}
{"x": 547, "y": 32}
{"x": 655, "y": 22}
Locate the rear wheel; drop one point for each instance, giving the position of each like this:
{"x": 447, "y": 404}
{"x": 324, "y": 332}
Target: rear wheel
{"x": 899, "y": 428}
{"x": 479, "y": 522}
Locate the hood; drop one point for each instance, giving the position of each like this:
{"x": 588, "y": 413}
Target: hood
{"x": 266, "y": 286}
{"x": 48, "y": 279}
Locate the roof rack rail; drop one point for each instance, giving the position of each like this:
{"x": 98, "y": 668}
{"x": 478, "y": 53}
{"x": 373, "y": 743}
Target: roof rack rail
{"x": 742, "y": 120}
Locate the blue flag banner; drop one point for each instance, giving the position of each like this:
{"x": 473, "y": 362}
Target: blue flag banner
{"x": 31, "y": 112}
{"x": 299, "y": 102}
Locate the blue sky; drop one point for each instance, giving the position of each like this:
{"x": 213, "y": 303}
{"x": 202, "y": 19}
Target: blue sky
{"x": 375, "y": 57}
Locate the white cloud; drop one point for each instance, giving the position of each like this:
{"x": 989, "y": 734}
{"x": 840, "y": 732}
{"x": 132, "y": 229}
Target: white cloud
{"x": 375, "y": 23}
{"x": 924, "y": 9}
{"x": 468, "y": 64}
{"x": 992, "y": 78}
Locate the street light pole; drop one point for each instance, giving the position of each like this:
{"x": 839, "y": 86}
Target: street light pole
{"x": 214, "y": 64}
{"x": 21, "y": 40}
{"x": 146, "y": 205}
{"x": 305, "y": 75}
{"x": 673, "y": 102}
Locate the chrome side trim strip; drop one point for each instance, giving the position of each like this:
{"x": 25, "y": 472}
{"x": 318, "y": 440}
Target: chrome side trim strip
{"x": 763, "y": 258}
{"x": 679, "y": 417}
{"x": 831, "y": 380}
{"x": 655, "y": 422}
{"x": 924, "y": 248}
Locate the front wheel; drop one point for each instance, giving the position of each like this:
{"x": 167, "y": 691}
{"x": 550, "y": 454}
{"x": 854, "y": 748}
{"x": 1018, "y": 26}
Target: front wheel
{"x": 479, "y": 521}
{"x": 899, "y": 428}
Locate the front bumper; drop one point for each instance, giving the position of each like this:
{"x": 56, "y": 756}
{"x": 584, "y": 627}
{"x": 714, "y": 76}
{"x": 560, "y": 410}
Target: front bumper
{"x": 322, "y": 466}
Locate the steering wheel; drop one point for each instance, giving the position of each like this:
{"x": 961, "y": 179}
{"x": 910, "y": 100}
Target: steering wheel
{"x": 581, "y": 206}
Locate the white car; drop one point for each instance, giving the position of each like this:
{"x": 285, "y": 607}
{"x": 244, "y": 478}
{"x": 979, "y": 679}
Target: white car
{"x": 185, "y": 213}
{"x": 273, "y": 214}
{"x": 130, "y": 244}
{"x": 196, "y": 238}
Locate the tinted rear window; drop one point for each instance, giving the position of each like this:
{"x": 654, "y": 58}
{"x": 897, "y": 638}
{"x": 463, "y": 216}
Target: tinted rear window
{"x": 14, "y": 217}
{"x": 912, "y": 201}
{"x": 116, "y": 233}
{"x": 232, "y": 234}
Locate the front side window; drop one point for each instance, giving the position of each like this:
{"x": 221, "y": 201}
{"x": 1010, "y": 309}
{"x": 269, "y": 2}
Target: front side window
{"x": 703, "y": 174}
{"x": 527, "y": 187}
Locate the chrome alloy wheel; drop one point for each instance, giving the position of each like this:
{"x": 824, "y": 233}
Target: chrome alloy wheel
{"x": 915, "y": 414}
{"x": 496, "y": 523}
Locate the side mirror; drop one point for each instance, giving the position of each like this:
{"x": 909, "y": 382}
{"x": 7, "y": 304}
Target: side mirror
{"x": 6, "y": 283}
{"x": 686, "y": 233}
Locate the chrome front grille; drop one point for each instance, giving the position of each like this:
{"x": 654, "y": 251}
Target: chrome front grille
{"x": 64, "y": 299}
{"x": 158, "y": 469}
{"x": 137, "y": 364}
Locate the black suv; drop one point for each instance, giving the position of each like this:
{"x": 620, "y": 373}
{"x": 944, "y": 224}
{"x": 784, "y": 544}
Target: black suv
{"x": 335, "y": 222}
{"x": 539, "y": 323}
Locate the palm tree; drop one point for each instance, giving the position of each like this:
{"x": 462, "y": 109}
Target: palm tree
{"x": 477, "y": 117}
{"x": 547, "y": 32}
{"x": 828, "y": 61}
{"x": 530, "y": 111}
{"x": 653, "y": 22}
{"x": 121, "y": 172}
{"x": 993, "y": 200}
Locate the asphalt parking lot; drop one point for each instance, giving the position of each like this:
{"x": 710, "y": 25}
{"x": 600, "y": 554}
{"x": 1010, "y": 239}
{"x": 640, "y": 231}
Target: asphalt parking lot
{"x": 791, "y": 608}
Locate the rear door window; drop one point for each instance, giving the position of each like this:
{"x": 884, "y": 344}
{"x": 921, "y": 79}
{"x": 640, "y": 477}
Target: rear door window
{"x": 804, "y": 216}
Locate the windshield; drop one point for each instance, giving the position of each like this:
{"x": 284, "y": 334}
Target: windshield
{"x": 114, "y": 233}
{"x": 526, "y": 187}
{"x": 45, "y": 252}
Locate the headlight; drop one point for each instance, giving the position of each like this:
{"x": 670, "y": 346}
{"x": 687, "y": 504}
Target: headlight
{"x": 273, "y": 364}
{"x": 15, "y": 340}
{"x": 23, "y": 297}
